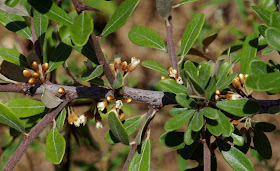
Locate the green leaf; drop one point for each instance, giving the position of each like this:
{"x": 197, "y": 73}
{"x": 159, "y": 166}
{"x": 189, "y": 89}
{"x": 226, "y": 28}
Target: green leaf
{"x": 164, "y": 7}
{"x": 267, "y": 51}
{"x": 81, "y": 29}
{"x": 272, "y": 36}
{"x": 191, "y": 69}
{"x": 274, "y": 22}
{"x": 9, "y": 118}
{"x": 262, "y": 29}
{"x": 59, "y": 56}
{"x": 235, "y": 158}
{"x": 25, "y": 107}
{"x": 118, "y": 82}
{"x": 61, "y": 119}
{"x": 210, "y": 113}
{"x": 237, "y": 138}
{"x": 52, "y": 11}
{"x": 176, "y": 110}
{"x": 214, "y": 127}
{"x": 197, "y": 121}
{"x": 155, "y": 66}
{"x": 170, "y": 85}
{"x": 117, "y": 128}
{"x": 262, "y": 144}
{"x": 87, "y": 51}
{"x": 92, "y": 73}
{"x": 224, "y": 70}
{"x": 204, "y": 74}
{"x": 178, "y": 121}
{"x": 15, "y": 24}
{"x": 19, "y": 9}
{"x": 184, "y": 2}
{"x": 185, "y": 101}
{"x": 14, "y": 57}
{"x": 263, "y": 14}
{"x": 190, "y": 135}
{"x": 120, "y": 16}
{"x": 12, "y": 3}
{"x": 130, "y": 125}
{"x": 239, "y": 108}
{"x": 264, "y": 126}
{"x": 174, "y": 140}
{"x": 142, "y": 158}
{"x": 266, "y": 82}
{"x": 41, "y": 23}
{"x": 55, "y": 146}
{"x": 144, "y": 36}
{"x": 249, "y": 51}
{"x": 223, "y": 83}
{"x": 191, "y": 33}
{"x": 259, "y": 68}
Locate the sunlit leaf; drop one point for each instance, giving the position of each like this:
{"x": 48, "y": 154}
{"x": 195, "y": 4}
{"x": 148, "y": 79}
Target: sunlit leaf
{"x": 178, "y": 121}
{"x": 170, "y": 85}
{"x": 118, "y": 82}
{"x": 155, "y": 66}
{"x": 263, "y": 14}
{"x": 272, "y": 36}
{"x": 61, "y": 119}
{"x": 19, "y": 9}
{"x": 59, "y": 56}
{"x": 92, "y": 73}
{"x": 41, "y": 24}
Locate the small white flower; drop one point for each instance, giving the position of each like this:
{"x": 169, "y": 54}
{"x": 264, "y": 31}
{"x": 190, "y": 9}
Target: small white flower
{"x": 135, "y": 61}
{"x": 83, "y": 119}
{"x": 235, "y": 97}
{"x": 77, "y": 123}
{"x": 173, "y": 73}
{"x": 119, "y": 104}
{"x": 99, "y": 125}
{"x": 101, "y": 106}
{"x": 179, "y": 80}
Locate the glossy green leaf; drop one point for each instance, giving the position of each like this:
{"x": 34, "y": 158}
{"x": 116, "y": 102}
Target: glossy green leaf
{"x": 178, "y": 121}
{"x": 262, "y": 29}
{"x": 9, "y": 118}
{"x": 87, "y": 51}
{"x": 59, "y": 56}
{"x": 118, "y": 82}
{"x": 164, "y": 7}
{"x": 190, "y": 135}
{"x": 191, "y": 69}
{"x": 61, "y": 119}
{"x": 266, "y": 82}
{"x": 55, "y": 146}
{"x": 41, "y": 23}
{"x": 195, "y": 84}
{"x": 274, "y": 22}
{"x": 223, "y": 83}
{"x": 204, "y": 74}
{"x": 224, "y": 70}
{"x": 176, "y": 110}
{"x": 249, "y": 51}
{"x": 130, "y": 125}
{"x": 239, "y": 108}
{"x": 184, "y": 2}
{"x": 263, "y": 14}
{"x": 170, "y": 85}
{"x": 267, "y": 51}
{"x": 210, "y": 113}
{"x": 12, "y": 3}
{"x": 235, "y": 158}
{"x": 272, "y": 36}
{"x": 19, "y": 9}
{"x": 52, "y": 11}
{"x": 259, "y": 68}
{"x": 237, "y": 138}
{"x": 262, "y": 144}
{"x": 264, "y": 126}
{"x": 92, "y": 73}
{"x": 14, "y": 57}
{"x": 213, "y": 127}
{"x": 174, "y": 140}
{"x": 268, "y": 5}
{"x": 191, "y": 33}
{"x": 155, "y": 66}
{"x": 197, "y": 121}
{"x": 15, "y": 24}
{"x": 117, "y": 128}
{"x": 81, "y": 29}
{"x": 120, "y": 16}
{"x": 142, "y": 158}
{"x": 185, "y": 101}
{"x": 25, "y": 107}
{"x": 144, "y": 36}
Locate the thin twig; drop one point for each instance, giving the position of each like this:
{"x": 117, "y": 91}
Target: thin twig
{"x": 29, "y": 138}
{"x": 206, "y": 150}
{"x": 170, "y": 44}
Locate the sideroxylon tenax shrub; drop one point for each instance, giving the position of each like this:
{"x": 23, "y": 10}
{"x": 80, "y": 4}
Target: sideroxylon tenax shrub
{"x": 213, "y": 110}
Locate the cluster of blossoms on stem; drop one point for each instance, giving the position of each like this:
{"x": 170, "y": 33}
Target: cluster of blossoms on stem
{"x": 173, "y": 73}
{"x": 38, "y": 73}
{"x": 126, "y": 68}
{"x": 239, "y": 85}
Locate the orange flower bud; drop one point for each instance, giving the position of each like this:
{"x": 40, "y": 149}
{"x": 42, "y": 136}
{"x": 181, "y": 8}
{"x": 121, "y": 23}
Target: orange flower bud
{"x": 109, "y": 98}
{"x": 112, "y": 68}
{"x": 163, "y": 77}
{"x": 35, "y": 65}
{"x": 235, "y": 122}
{"x": 217, "y": 92}
{"x": 36, "y": 75}
{"x": 26, "y": 73}
{"x": 128, "y": 100}
{"x": 32, "y": 81}
{"x": 61, "y": 90}
{"x": 45, "y": 67}
{"x": 124, "y": 66}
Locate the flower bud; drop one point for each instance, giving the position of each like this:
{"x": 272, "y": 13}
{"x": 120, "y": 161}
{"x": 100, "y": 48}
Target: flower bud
{"x": 35, "y": 65}
{"x": 102, "y": 105}
{"x": 124, "y": 66}
{"x": 134, "y": 62}
{"x": 119, "y": 104}
{"x": 27, "y": 73}
{"x": 179, "y": 80}
{"x": 32, "y": 81}
{"x": 112, "y": 68}
{"x": 173, "y": 73}
{"x": 36, "y": 75}
{"x": 163, "y": 77}
{"x": 117, "y": 63}
{"x": 242, "y": 78}
{"x": 109, "y": 98}
{"x": 128, "y": 100}
{"x": 61, "y": 90}
{"x": 99, "y": 125}
{"x": 236, "y": 82}
{"x": 235, "y": 122}
{"x": 232, "y": 96}
{"x": 121, "y": 115}
{"x": 217, "y": 92}
{"x": 83, "y": 119}
{"x": 45, "y": 67}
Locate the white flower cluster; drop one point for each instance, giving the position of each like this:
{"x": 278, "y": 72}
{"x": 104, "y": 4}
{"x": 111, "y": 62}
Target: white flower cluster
{"x": 81, "y": 120}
